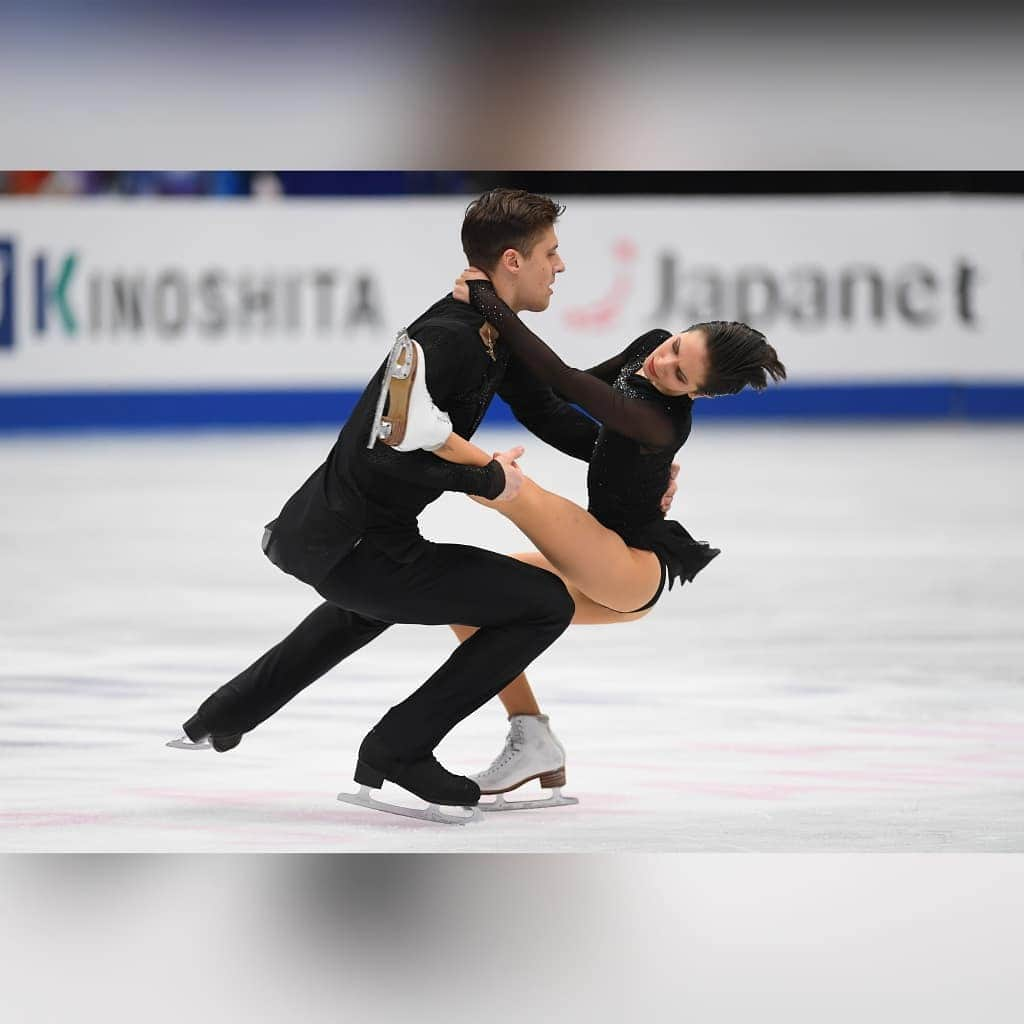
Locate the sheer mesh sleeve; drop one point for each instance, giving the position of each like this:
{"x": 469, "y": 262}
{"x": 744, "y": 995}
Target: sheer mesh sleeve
{"x": 546, "y": 415}
{"x": 638, "y": 420}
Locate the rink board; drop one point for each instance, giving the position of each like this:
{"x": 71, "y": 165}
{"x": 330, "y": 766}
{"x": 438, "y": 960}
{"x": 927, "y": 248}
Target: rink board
{"x": 160, "y": 313}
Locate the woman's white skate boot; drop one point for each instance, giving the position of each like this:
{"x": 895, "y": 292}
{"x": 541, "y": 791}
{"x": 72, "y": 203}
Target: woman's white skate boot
{"x": 532, "y": 751}
{"x": 412, "y": 421}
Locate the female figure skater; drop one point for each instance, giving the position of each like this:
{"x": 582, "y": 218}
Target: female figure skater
{"x": 617, "y": 556}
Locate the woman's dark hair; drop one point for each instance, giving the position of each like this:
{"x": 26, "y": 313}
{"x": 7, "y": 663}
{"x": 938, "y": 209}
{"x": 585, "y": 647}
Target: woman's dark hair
{"x": 738, "y": 357}
{"x": 505, "y": 218}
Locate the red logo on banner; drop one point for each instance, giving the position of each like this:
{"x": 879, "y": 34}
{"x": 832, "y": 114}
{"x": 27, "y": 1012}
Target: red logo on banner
{"x": 605, "y": 311}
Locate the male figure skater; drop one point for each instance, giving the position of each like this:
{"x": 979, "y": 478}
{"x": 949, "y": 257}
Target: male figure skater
{"x": 351, "y": 532}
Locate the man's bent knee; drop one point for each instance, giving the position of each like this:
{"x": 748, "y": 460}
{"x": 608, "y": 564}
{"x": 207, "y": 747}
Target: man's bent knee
{"x": 559, "y": 607}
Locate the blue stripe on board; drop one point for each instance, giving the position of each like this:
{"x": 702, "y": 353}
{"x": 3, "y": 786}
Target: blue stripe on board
{"x": 149, "y": 410}
{"x": 123, "y": 410}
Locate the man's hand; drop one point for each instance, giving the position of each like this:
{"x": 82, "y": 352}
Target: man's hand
{"x": 460, "y": 290}
{"x": 666, "y": 498}
{"x": 513, "y": 474}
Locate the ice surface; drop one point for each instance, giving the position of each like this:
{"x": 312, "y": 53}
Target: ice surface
{"x": 846, "y": 676}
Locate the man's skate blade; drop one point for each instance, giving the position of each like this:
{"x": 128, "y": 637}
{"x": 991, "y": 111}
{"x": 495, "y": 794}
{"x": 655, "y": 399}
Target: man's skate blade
{"x": 432, "y": 813}
{"x": 184, "y": 743}
{"x": 499, "y": 803}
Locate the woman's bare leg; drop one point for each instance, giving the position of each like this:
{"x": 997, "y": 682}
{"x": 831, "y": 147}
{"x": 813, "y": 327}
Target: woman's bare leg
{"x": 518, "y": 697}
{"x": 587, "y": 555}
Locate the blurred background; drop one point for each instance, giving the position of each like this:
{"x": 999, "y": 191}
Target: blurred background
{"x": 177, "y": 351}
{"x": 425, "y": 87}
{"x": 394, "y": 84}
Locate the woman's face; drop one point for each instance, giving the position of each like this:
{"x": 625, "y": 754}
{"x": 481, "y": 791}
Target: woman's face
{"x": 679, "y": 365}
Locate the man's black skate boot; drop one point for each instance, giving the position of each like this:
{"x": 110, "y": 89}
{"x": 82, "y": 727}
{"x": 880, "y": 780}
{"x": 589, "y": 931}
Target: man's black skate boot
{"x": 197, "y": 732}
{"x": 423, "y": 777}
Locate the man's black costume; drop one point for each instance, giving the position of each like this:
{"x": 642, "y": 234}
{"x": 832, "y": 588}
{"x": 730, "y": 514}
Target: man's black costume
{"x": 350, "y": 532}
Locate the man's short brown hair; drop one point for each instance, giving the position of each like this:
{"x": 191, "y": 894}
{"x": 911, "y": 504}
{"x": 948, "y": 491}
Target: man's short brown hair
{"x": 505, "y": 218}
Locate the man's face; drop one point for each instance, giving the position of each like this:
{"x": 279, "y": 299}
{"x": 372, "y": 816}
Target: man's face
{"x": 537, "y": 271}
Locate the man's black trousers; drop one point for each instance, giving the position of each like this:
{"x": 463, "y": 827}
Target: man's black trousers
{"x": 520, "y": 609}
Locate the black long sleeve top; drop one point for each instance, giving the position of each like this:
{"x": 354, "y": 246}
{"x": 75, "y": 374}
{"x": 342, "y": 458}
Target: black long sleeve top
{"x": 641, "y": 428}
{"x": 378, "y": 493}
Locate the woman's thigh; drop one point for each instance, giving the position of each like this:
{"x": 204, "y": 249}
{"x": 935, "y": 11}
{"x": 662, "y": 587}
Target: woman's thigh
{"x": 588, "y": 611}
{"x": 586, "y": 554}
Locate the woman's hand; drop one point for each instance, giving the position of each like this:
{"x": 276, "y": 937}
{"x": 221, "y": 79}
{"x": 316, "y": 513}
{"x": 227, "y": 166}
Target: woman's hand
{"x": 666, "y": 498}
{"x": 514, "y": 478}
{"x": 461, "y": 290}
{"x": 511, "y": 456}
{"x": 513, "y": 474}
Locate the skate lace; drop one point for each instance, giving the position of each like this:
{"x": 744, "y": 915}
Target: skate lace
{"x": 514, "y": 742}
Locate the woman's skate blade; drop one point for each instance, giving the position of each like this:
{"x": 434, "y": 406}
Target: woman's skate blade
{"x": 412, "y": 421}
{"x": 184, "y": 743}
{"x": 499, "y": 803}
{"x": 400, "y": 366}
{"x": 431, "y": 813}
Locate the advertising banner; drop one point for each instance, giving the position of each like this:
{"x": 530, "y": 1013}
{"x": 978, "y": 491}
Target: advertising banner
{"x": 116, "y": 295}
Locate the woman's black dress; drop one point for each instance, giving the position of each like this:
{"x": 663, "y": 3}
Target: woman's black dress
{"x": 641, "y": 430}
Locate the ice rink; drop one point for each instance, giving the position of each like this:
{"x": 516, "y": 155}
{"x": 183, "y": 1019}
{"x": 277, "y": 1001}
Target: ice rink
{"x": 847, "y": 676}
